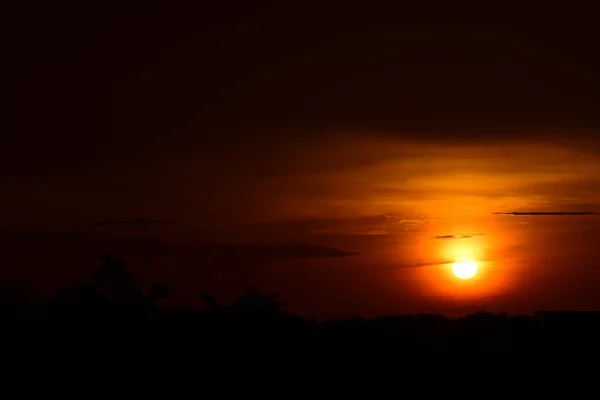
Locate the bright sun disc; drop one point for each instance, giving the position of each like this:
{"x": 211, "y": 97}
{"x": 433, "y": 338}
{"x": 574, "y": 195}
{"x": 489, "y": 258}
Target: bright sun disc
{"x": 464, "y": 268}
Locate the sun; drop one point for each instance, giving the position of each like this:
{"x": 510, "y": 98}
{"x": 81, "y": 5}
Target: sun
{"x": 464, "y": 268}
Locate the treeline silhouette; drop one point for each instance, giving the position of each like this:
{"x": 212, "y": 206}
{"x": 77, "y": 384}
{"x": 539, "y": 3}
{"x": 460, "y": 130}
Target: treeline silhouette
{"x": 114, "y": 305}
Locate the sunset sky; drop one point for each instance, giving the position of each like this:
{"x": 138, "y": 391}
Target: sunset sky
{"x": 393, "y": 132}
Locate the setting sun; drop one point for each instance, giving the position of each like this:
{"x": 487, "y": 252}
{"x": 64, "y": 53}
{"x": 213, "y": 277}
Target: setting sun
{"x": 464, "y": 268}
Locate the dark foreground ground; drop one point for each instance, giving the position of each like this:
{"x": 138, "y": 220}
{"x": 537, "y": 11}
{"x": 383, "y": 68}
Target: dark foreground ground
{"x": 112, "y": 310}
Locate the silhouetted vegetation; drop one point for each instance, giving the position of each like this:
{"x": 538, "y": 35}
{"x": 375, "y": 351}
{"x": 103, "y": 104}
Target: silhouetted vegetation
{"x": 113, "y": 304}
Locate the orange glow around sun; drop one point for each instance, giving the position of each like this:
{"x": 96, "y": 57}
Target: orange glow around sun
{"x": 464, "y": 267}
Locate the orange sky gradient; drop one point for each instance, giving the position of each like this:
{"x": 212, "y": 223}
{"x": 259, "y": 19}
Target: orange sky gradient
{"x": 386, "y": 199}
{"x": 394, "y": 131}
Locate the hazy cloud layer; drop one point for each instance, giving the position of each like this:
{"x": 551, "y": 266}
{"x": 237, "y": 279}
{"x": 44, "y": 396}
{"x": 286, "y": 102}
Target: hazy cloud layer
{"x": 374, "y": 112}
{"x": 221, "y": 254}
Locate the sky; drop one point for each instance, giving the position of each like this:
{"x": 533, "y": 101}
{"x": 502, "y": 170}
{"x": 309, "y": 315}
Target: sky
{"x": 366, "y": 128}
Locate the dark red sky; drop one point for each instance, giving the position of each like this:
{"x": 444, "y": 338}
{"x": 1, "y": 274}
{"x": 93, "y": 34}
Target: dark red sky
{"x": 285, "y": 121}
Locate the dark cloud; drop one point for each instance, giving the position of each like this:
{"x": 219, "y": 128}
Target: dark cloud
{"x": 133, "y": 223}
{"x": 374, "y": 232}
{"x": 458, "y": 236}
{"x": 367, "y": 225}
{"x": 180, "y": 111}
{"x": 201, "y": 253}
{"x": 271, "y": 253}
{"x": 151, "y": 80}
{"x": 425, "y": 264}
{"x": 547, "y": 213}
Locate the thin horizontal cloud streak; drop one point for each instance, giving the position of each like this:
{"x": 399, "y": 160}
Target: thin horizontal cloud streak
{"x": 372, "y": 233}
{"x": 426, "y": 264}
{"x": 457, "y": 236}
{"x": 367, "y": 225}
{"x": 95, "y": 242}
{"x": 566, "y": 213}
{"x": 133, "y": 223}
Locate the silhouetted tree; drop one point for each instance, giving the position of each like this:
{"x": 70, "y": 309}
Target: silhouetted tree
{"x": 252, "y": 299}
{"x": 111, "y": 291}
{"x": 114, "y": 282}
{"x": 157, "y": 292}
{"x": 113, "y": 299}
{"x": 211, "y": 301}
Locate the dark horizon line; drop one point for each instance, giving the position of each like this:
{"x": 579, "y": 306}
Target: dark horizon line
{"x": 547, "y": 213}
